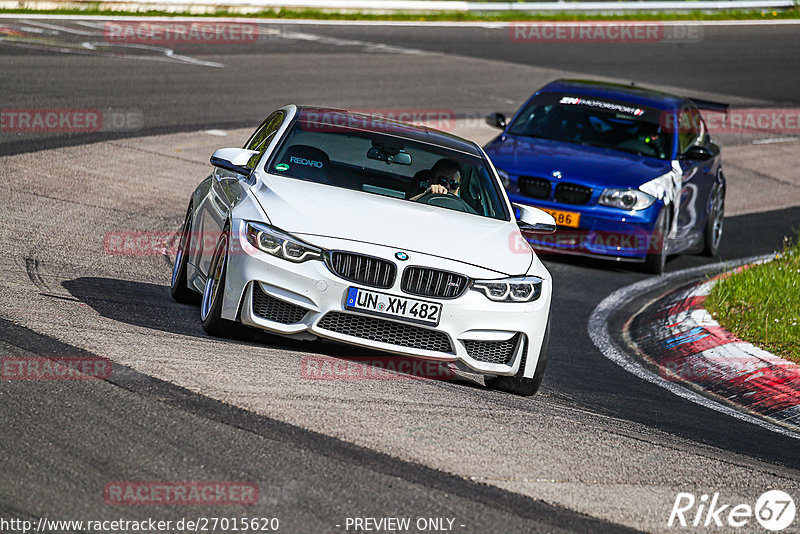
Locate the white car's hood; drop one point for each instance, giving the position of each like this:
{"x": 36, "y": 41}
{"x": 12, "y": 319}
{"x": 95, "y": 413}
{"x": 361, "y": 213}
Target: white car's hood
{"x": 309, "y": 209}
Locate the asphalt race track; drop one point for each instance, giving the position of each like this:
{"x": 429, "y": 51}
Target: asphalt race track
{"x": 596, "y": 450}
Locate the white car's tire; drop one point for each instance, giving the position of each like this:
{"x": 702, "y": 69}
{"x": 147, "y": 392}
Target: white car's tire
{"x": 518, "y": 384}
{"x": 179, "y": 287}
{"x": 214, "y": 292}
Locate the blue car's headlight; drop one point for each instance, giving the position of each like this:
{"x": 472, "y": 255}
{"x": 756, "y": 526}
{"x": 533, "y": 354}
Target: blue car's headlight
{"x": 626, "y": 199}
{"x": 280, "y": 244}
{"x": 516, "y": 289}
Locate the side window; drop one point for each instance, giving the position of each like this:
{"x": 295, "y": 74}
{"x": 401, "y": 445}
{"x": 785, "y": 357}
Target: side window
{"x": 692, "y": 128}
{"x": 261, "y": 139}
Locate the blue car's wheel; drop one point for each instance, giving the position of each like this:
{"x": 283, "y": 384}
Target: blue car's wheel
{"x": 656, "y": 249}
{"x": 713, "y": 230}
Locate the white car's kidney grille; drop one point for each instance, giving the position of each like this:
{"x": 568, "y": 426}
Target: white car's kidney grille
{"x": 386, "y": 332}
{"x": 433, "y": 283}
{"x": 273, "y": 309}
{"x": 492, "y": 351}
{"x": 362, "y": 269}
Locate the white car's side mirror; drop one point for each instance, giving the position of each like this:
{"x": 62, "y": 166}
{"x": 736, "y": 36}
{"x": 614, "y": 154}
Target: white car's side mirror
{"x": 233, "y": 159}
{"x": 534, "y": 221}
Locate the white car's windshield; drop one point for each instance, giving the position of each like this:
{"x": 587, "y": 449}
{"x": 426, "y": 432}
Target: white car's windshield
{"x": 388, "y": 165}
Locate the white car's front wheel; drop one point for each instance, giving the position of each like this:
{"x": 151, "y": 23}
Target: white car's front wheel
{"x": 211, "y": 305}
{"x": 179, "y": 289}
{"x": 518, "y": 384}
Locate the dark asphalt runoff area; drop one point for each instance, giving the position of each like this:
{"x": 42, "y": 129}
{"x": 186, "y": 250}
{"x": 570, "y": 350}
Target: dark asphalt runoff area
{"x": 61, "y": 442}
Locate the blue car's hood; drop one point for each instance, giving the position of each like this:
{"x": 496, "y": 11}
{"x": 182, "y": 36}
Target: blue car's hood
{"x": 586, "y": 165}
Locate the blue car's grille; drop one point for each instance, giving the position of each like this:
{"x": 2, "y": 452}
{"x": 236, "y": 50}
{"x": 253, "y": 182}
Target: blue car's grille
{"x": 573, "y": 194}
{"x": 533, "y": 187}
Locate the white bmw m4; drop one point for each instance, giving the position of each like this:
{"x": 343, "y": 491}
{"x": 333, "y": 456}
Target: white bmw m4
{"x": 332, "y": 224}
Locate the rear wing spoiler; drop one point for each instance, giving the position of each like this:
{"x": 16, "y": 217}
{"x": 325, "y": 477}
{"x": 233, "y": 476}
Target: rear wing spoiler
{"x": 711, "y": 106}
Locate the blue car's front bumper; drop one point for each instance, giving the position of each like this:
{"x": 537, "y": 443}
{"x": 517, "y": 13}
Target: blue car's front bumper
{"x": 602, "y": 231}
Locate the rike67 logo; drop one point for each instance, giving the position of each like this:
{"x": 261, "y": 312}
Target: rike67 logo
{"x": 774, "y": 510}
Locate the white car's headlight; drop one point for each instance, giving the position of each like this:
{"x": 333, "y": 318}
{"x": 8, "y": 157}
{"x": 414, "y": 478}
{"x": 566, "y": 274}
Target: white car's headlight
{"x": 280, "y": 244}
{"x": 504, "y": 177}
{"x": 517, "y": 289}
{"x": 626, "y": 199}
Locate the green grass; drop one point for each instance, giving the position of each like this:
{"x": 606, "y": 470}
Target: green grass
{"x": 503, "y": 16}
{"x": 762, "y": 304}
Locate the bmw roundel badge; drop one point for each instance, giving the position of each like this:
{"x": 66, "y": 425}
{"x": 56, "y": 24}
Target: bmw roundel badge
{"x": 402, "y": 256}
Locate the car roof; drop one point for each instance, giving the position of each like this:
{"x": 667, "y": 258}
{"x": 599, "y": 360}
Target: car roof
{"x": 632, "y": 94}
{"x": 386, "y": 125}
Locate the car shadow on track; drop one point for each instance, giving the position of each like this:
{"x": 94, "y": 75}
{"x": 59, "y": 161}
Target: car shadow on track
{"x": 600, "y": 263}
{"x": 149, "y": 305}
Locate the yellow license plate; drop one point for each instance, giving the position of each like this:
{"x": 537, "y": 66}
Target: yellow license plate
{"x": 564, "y": 218}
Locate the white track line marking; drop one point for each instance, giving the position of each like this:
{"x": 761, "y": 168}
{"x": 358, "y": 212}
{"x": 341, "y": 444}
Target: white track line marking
{"x": 775, "y": 140}
{"x": 410, "y": 23}
{"x": 601, "y": 337}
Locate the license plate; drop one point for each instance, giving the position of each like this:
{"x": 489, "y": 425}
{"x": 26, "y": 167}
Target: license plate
{"x": 564, "y": 218}
{"x": 413, "y": 310}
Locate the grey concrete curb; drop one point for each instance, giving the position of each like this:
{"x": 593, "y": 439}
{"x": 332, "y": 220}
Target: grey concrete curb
{"x": 620, "y": 353}
{"x": 679, "y": 336}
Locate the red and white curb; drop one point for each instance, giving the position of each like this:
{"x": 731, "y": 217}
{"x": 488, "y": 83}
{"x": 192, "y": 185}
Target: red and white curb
{"x": 680, "y": 336}
{"x": 737, "y": 378}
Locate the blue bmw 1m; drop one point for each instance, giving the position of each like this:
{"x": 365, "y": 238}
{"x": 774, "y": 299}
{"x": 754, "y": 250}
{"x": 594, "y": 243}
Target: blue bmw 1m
{"x": 629, "y": 174}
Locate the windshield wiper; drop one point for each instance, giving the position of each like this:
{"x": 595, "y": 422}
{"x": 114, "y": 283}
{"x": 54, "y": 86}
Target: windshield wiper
{"x": 532, "y": 135}
{"x": 593, "y": 143}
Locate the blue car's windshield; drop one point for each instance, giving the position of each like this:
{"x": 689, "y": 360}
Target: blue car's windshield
{"x": 594, "y": 122}
{"x": 340, "y": 152}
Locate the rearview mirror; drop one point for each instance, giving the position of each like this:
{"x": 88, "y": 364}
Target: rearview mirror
{"x": 496, "y": 120}
{"x": 400, "y": 158}
{"x": 534, "y": 221}
{"x": 233, "y": 159}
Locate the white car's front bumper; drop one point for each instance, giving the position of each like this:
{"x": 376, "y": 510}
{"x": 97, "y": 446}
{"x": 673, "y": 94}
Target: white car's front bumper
{"x": 305, "y": 300}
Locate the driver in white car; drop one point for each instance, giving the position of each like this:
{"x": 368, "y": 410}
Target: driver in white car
{"x": 445, "y": 178}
